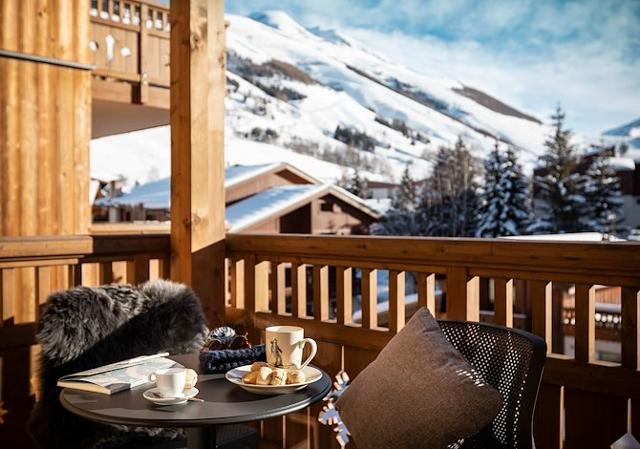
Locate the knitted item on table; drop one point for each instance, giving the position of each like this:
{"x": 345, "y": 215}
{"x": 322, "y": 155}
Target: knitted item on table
{"x": 223, "y": 360}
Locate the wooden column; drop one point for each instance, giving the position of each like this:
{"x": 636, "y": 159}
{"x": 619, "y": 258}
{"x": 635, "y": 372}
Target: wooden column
{"x": 197, "y": 150}
{"x": 463, "y": 295}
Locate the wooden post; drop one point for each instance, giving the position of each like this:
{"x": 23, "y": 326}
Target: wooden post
{"x": 585, "y": 322}
{"x": 427, "y": 291}
{"x": 369, "y": 290}
{"x": 344, "y": 295}
{"x": 298, "y": 290}
{"x": 396, "y": 300}
{"x": 197, "y": 150}
{"x": 321, "y": 292}
{"x": 463, "y": 295}
{"x": 503, "y": 306}
{"x": 540, "y": 292}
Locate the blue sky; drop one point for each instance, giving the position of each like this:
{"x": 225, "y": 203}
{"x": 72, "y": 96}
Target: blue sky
{"x": 530, "y": 53}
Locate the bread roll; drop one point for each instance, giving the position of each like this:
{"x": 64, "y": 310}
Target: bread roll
{"x": 251, "y": 377}
{"x": 264, "y": 376}
{"x": 278, "y": 377}
{"x": 295, "y": 377}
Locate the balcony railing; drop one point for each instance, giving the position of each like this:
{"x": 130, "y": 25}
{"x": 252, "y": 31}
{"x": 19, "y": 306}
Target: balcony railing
{"x": 318, "y": 282}
{"x": 129, "y": 41}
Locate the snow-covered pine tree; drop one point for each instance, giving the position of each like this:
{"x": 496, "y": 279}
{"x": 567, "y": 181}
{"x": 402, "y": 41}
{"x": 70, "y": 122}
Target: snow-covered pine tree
{"x": 449, "y": 204}
{"x": 506, "y": 205}
{"x": 400, "y": 219}
{"x": 561, "y": 187}
{"x": 357, "y": 185}
{"x": 603, "y": 195}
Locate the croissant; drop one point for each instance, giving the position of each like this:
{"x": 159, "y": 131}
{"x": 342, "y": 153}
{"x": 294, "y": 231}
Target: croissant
{"x": 250, "y": 378}
{"x": 257, "y": 365}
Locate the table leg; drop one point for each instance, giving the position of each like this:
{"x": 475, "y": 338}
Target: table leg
{"x": 201, "y": 437}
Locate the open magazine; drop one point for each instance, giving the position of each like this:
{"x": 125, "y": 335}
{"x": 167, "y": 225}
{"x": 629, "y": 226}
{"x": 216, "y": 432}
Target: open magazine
{"x": 118, "y": 376}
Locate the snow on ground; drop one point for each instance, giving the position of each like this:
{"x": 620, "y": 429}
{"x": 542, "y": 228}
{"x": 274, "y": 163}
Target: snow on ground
{"x": 569, "y": 237}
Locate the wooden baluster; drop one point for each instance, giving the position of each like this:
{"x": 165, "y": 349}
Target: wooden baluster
{"x": 298, "y": 290}
{"x": 277, "y": 284}
{"x": 585, "y": 322}
{"x": 164, "y": 268}
{"x": 503, "y": 306}
{"x": 262, "y": 286}
{"x": 105, "y": 273}
{"x": 74, "y": 275}
{"x": 250, "y": 284}
{"x": 427, "y": 291}
{"x": 396, "y": 300}
{"x": 540, "y": 301}
{"x": 463, "y": 295}
{"x": 630, "y": 320}
{"x": 344, "y": 295}
{"x": 138, "y": 269}
{"x": 321, "y": 292}
{"x": 42, "y": 287}
{"x": 369, "y": 290}
{"x": 237, "y": 283}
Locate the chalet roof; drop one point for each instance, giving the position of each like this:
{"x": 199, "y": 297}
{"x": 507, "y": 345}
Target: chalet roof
{"x": 279, "y": 200}
{"x": 274, "y": 201}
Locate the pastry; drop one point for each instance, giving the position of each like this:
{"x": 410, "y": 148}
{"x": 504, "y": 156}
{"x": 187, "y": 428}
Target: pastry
{"x": 257, "y": 365}
{"x": 295, "y": 377}
{"x": 251, "y": 377}
{"x": 278, "y": 377}
{"x": 264, "y": 376}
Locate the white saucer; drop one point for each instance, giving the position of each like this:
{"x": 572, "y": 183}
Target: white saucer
{"x": 153, "y": 395}
{"x": 235, "y": 376}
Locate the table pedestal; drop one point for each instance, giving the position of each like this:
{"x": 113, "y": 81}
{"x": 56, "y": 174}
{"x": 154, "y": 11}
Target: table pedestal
{"x": 201, "y": 437}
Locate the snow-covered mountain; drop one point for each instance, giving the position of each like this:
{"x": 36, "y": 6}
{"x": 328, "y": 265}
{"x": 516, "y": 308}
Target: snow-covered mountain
{"x": 320, "y": 100}
{"x": 313, "y": 90}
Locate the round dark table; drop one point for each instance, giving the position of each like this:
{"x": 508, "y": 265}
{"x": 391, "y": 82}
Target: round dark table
{"x": 224, "y": 403}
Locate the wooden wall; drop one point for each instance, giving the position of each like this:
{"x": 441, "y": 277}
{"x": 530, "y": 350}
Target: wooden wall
{"x": 45, "y": 126}
{"x": 45, "y": 123}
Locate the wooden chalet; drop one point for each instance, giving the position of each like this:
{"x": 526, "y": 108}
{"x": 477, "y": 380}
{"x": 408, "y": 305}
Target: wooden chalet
{"x": 275, "y": 198}
{"x": 51, "y": 81}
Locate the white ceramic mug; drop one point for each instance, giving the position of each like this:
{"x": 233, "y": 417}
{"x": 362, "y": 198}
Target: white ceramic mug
{"x": 170, "y": 381}
{"x": 284, "y": 346}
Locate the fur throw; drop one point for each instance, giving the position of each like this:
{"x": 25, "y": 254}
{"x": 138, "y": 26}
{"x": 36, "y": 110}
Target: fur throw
{"x": 84, "y": 328}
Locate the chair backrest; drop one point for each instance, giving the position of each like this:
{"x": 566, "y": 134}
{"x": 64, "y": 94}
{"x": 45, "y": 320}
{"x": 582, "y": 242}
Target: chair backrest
{"x": 511, "y": 361}
{"x": 86, "y": 327}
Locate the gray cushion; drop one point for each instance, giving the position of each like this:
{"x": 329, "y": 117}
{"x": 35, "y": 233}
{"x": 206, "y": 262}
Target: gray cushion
{"x": 419, "y": 393}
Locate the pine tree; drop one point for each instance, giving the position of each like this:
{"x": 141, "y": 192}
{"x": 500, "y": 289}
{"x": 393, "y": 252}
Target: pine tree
{"x": 449, "y": 205}
{"x": 603, "y": 195}
{"x": 561, "y": 187}
{"x": 400, "y": 219}
{"x": 357, "y": 185}
{"x": 506, "y": 205}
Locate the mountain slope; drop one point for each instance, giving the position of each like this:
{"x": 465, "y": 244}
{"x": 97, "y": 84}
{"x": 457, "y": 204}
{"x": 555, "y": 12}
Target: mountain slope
{"x": 405, "y": 115}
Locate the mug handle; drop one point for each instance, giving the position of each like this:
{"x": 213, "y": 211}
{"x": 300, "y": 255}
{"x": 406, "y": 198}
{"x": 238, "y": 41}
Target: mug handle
{"x": 151, "y": 378}
{"x": 314, "y": 349}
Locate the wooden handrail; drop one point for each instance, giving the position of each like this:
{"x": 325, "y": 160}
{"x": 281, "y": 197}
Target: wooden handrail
{"x": 602, "y": 259}
{"x": 26, "y": 248}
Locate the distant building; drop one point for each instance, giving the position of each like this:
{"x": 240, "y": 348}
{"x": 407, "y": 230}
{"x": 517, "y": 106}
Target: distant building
{"x": 276, "y": 198}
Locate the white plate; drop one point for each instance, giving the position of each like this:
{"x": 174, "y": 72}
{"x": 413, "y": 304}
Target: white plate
{"x": 235, "y": 376}
{"x": 153, "y": 395}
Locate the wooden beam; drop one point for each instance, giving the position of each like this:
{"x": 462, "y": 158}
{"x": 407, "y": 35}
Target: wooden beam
{"x": 540, "y": 292}
{"x": 630, "y": 321}
{"x": 197, "y": 150}
{"x": 463, "y": 295}
{"x": 585, "y": 322}
{"x": 396, "y": 300}
{"x": 503, "y": 301}
{"x": 427, "y": 291}
{"x": 369, "y": 290}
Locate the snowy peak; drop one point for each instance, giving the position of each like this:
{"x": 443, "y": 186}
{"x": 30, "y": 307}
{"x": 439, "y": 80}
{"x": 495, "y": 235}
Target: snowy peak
{"x": 330, "y": 35}
{"x": 279, "y": 20}
{"x": 631, "y": 129}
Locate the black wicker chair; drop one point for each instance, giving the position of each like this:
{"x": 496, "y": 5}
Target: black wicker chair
{"x": 511, "y": 361}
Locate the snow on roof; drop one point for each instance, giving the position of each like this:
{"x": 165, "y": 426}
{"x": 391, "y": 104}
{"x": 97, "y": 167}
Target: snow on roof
{"x": 622, "y": 163}
{"x": 157, "y": 194}
{"x": 380, "y": 205}
{"x": 569, "y": 237}
{"x": 256, "y": 208}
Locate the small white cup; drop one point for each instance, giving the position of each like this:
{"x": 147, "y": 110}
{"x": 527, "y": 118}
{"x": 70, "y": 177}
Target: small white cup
{"x": 170, "y": 381}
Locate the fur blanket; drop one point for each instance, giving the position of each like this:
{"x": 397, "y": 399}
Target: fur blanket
{"x": 84, "y": 328}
